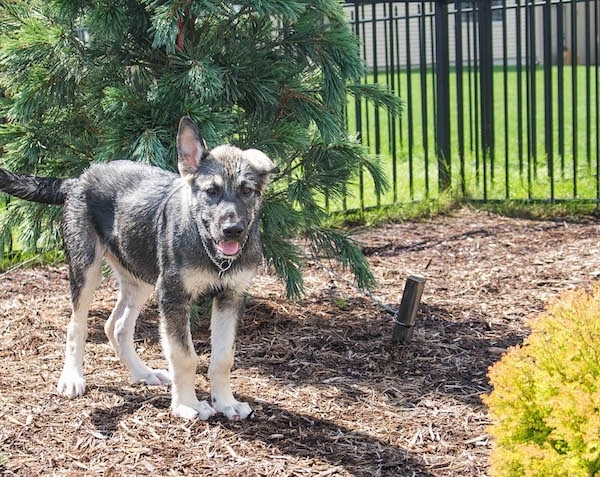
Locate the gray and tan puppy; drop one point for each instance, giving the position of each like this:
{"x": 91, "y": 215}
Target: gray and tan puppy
{"x": 184, "y": 235}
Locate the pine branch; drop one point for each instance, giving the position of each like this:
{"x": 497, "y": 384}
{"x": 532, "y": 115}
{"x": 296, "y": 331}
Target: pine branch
{"x": 338, "y": 246}
{"x": 269, "y": 74}
{"x": 283, "y": 257}
{"x": 377, "y": 95}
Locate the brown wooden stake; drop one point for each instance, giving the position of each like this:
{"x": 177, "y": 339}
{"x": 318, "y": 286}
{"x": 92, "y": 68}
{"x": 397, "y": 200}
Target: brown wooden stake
{"x": 409, "y": 306}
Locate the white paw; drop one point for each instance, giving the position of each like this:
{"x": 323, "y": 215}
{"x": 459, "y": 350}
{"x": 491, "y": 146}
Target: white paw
{"x": 198, "y": 410}
{"x": 71, "y": 384}
{"x": 154, "y": 377}
{"x": 234, "y": 411}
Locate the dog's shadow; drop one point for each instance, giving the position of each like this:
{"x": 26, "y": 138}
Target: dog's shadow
{"x": 298, "y": 435}
{"x": 107, "y": 419}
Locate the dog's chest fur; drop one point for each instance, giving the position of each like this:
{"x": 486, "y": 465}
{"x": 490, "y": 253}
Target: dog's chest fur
{"x": 198, "y": 281}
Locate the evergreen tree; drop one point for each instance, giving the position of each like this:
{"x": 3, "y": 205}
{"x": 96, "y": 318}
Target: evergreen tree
{"x": 92, "y": 81}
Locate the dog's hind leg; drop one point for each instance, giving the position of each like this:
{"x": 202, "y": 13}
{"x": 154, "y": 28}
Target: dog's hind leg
{"x": 120, "y": 329}
{"x": 85, "y": 271}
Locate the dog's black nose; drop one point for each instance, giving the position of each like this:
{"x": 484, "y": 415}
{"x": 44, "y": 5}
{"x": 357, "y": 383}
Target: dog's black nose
{"x": 232, "y": 231}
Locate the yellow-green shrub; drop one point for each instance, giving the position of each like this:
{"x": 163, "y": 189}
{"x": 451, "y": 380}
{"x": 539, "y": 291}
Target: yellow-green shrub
{"x": 545, "y": 403}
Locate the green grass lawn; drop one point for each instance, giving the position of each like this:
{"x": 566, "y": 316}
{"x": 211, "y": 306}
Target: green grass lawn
{"x": 406, "y": 148}
{"x": 406, "y": 145}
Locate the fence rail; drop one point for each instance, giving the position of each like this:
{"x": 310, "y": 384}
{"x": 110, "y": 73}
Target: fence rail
{"x": 501, "y": 98}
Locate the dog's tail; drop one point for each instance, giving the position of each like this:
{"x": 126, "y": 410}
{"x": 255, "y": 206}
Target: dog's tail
{"x": 46, "y": 190}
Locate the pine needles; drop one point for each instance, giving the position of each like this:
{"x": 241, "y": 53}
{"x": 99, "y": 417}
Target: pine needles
{"x": 101, "y": 81}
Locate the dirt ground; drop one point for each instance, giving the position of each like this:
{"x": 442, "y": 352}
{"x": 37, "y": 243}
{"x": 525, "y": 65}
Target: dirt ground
{"x": 332, "y": 395}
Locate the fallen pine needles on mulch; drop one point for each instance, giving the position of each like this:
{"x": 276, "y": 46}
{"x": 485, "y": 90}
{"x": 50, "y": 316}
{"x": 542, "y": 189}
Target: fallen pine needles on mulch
{"x": 332, "y": 396}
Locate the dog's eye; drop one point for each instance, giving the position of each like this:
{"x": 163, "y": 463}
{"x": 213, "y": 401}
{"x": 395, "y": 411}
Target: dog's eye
{"x": 211, "y": 191}
{"x": 247, "y": 190}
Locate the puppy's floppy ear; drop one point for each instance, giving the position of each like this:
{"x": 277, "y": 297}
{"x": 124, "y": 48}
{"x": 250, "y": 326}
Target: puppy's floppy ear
{"x": 259, "y": 161}
{"x": 191, "y": 148}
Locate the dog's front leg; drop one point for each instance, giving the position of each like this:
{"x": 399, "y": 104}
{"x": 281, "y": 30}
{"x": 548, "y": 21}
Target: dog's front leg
{"x": 179, "y": 351}
{"x": 226, "y": 311}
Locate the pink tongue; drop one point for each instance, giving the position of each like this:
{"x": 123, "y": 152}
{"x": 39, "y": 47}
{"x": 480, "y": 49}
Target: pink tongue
{"x": 229, "y": 247}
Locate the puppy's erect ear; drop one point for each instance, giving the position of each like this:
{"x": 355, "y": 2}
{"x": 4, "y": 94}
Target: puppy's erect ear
{"x": 191, "y": 148}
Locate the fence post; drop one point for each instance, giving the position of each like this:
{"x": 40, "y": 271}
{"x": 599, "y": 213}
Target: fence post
{"x": 442, "y": 77}
{"x": 486, "y": 88}
{"x": 548, "y": 99}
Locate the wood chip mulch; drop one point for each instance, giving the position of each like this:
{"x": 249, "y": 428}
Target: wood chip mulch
{"x": 332, "y": 395}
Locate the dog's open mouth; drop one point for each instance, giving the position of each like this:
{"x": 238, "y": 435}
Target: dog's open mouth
{"x": 229, "y": 247}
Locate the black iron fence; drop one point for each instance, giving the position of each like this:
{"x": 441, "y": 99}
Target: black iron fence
{"x": 501, "y": 98}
